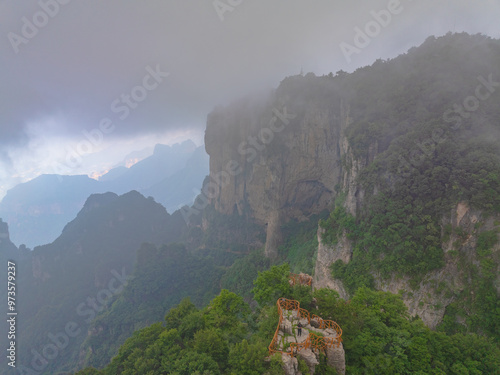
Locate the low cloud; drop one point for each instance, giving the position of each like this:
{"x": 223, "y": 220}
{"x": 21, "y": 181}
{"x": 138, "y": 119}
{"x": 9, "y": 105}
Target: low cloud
{"x": 83, "y": 57}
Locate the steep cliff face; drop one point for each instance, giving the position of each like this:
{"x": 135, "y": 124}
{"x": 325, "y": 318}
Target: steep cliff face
{"x": 277, "y": 160}
{"x": 389, "y": 139}
{"x": 439, "y": 288}
{"x": 327, "y": 255}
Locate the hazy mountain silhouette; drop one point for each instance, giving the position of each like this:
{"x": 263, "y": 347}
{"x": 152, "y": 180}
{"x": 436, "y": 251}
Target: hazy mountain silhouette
{"x": 99, "y": 245}
{"x": 38, "y": 210}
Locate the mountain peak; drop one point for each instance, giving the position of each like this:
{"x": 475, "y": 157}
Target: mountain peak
{"x": 97, "y": 200}
{"x": 186, "y": 146}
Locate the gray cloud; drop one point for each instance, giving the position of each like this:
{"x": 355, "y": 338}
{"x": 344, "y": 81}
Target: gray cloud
{"x": 91, "y": 52}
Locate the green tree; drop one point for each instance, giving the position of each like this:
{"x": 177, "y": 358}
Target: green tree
{"x": 227, "y": 311}
{"x": 272, "y": 284}
{"x": 135, "y": 352}
{"x": 195, "y": 363}
{"x": 248, "y": 359}
{"x": 176, "y": 314}
{"x": 211, "y": 342}
{"x": 191, "y": 324}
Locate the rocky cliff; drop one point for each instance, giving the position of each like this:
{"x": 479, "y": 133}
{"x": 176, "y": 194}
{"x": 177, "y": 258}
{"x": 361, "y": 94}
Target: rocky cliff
{"x": 391, "y": 134}
{"x": 439, "y": 288}
{"x": 278, "y": 159}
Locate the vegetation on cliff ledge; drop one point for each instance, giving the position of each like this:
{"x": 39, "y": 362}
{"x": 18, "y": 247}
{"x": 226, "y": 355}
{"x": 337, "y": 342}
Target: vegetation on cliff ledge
{"x": 426, "y": 151}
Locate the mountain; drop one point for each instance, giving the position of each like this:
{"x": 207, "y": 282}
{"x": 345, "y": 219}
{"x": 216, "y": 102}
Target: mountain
{"x": 113, "y": 174}
{"x": 165, "y": 161}
{"x": 10, "y": 258}
{"x": 73, "y": 278}
{"x": 38, "y": 210}
{"x": 383, "y": 183}
{"x": 7, "y": 248}
{"x": 182, "y": 186}
{"x": 162, "y": 277}
{"x": 404, "y": 153}
{"x": 8, "y": 253}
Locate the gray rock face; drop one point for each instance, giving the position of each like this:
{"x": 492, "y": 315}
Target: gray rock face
{"x": 281, "y": 175}
{"x": 290, "y": 365}
{"x": 286, "y": 327}
{"x": 327, "y": 255}
{"x": 310, "y": 358}
{"x": 335, "y": 358}
{"x": 305, "y": 350}
{"x": 426, "y": 301}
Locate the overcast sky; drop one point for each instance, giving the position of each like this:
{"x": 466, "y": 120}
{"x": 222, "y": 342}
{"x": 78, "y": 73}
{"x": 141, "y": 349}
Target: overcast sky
{"x": 144, "y": 72}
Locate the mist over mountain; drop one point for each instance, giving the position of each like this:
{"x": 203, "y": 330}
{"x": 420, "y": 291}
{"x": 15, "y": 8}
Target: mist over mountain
{"x": 165, "y": 161}
{"x": 98, "y": 246}
{"x": 38, "y": 210}
{"x": 8, "y": 252}
{"x": 182, "y": 186}
{"x": 383, "y": 185}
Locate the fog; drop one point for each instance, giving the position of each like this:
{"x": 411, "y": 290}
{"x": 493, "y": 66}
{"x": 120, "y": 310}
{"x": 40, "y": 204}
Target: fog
{"x": 131, "y": 74}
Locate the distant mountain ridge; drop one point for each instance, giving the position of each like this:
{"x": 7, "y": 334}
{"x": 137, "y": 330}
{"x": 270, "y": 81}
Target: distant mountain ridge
{"x": 38, "y": 210}
{"x": 58, "y": 280}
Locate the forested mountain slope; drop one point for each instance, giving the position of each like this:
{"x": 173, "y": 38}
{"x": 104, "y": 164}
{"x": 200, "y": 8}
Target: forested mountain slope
{"x": 406, "y": 154}
{"x": 382, "y": 180}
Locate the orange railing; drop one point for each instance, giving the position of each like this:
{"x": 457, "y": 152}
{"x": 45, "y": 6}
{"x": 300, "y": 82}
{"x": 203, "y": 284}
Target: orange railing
{"x": 286, "y": 304}
{"x": 300, "y": 278}
{"x": 313, "y": 341}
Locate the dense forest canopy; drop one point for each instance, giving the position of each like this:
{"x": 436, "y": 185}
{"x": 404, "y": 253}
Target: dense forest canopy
{"x": 226, "y": 337}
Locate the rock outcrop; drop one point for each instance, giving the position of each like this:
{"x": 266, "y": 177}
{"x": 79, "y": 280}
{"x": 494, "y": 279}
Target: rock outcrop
{"x": 289, "y": 155}
{"x": 290, "y": 365}
{"x": 335, "y": 358}
{"x": 439, "y": 288}
{"x": 327, "y": 255}
{"x": 307, "y": 342}
{"x": 277, "y": 160}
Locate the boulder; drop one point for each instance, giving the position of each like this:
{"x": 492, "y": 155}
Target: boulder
{"x": 286, "y": 327}
{"x": 310, "y": 358}
{"x": 290, "y": 365}
{"x": 335, "y": 358}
